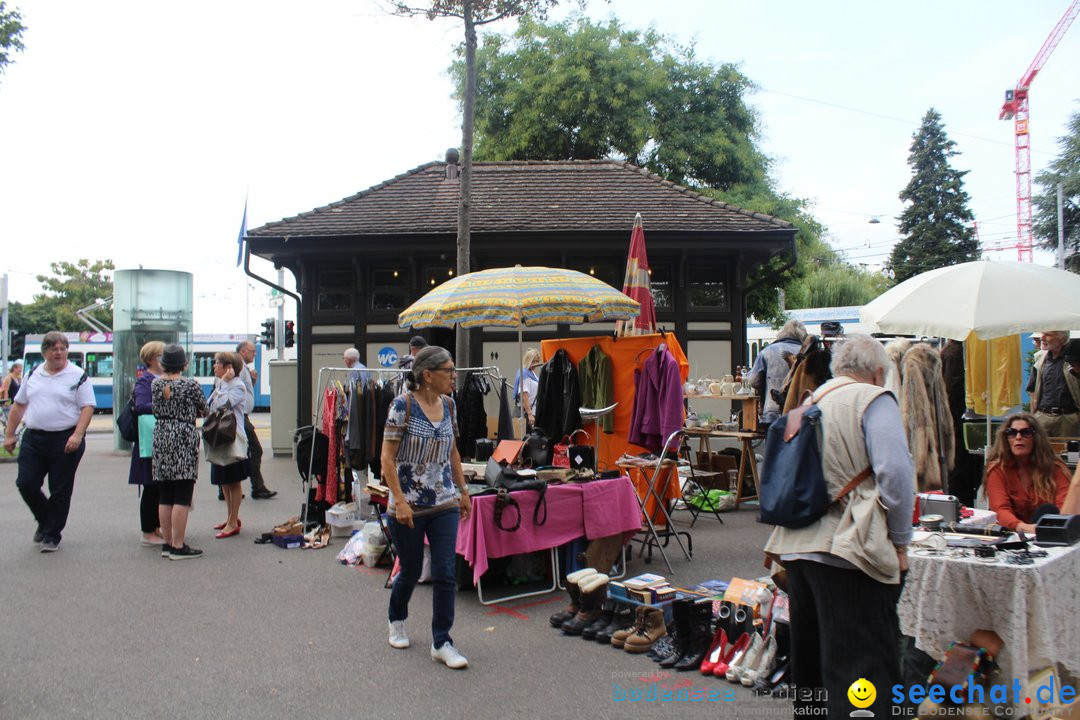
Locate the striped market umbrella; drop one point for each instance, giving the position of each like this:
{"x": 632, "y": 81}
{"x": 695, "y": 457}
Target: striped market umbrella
{"x": 637, "y": 285}
{"x": 516, "y": 296}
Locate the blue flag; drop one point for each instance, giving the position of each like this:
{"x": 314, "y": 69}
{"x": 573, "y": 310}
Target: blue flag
{"x": 240, "y": 237}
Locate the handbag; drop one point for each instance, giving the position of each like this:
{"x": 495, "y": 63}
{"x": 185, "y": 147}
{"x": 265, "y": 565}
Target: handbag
{"x": 226, "y": 454}
{"x": 560, "y": 456}
{"x": 146, "y": 435}
{"x": 537, "y": 448}
{"x": 219, "y": 427}
{"x": 581, "y": 456}
{"x": 126, "y": 421}
{"x": 484, "y": 449}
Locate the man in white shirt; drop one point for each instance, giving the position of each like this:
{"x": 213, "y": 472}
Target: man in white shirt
{"x": 352, "y": 361}
{"x": 57, "y": 402}
{"x": 246, "y": 350}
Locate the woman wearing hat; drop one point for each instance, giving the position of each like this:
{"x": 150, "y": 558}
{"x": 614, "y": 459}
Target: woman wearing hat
{"x": 177, "y": 401}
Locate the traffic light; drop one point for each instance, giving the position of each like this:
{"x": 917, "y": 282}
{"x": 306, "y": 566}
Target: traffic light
{"x": 267, "y": 337}
{"x": 290, "y": 333}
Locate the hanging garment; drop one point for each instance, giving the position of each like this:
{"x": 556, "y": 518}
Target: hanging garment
{"x": 327, "y": 489}
{"x": 595, "y": 376}
{"x": 506, "y": 420}
{"x": 658, "y": 401}
{"x": 558, "y": 397}
{"x": 924, "y": 407}
{"x": 472, "y": 417}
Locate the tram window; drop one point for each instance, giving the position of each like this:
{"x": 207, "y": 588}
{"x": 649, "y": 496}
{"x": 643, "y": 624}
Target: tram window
{"x": 202, "y": 364}
{"x": 99, "y": 365}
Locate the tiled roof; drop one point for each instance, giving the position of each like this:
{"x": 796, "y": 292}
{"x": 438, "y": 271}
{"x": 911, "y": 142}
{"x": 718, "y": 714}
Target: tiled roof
{"x": 578, "y": 195}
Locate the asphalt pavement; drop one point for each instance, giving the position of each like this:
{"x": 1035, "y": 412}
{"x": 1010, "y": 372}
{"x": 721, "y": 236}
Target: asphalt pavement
{"x": 105, "y": 628}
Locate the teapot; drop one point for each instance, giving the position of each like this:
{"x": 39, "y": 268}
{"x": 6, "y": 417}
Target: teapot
{"x": 727, "y": 386}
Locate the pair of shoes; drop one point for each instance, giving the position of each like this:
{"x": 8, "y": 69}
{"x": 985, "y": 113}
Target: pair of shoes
{"x": 732, "y": 655}
{"x": 263, "y": 493}
{"x": 39, "y": 535}
{"x": 716, "y": 652}
{"x": 317, "y": 538}
{"x": 763, "y": 665}
{"x": 166, "y": 550}
{"x": 449, "y": 656}
{"x": 264, "y": 539}
{"x": 155, "y": 541}
{"x": 48, "y": 546}
{"x": 184, "y": 553}
{"x": 398, "y": 637}
{"x": 228, "y": 533}
{"x": 239, "y": 524}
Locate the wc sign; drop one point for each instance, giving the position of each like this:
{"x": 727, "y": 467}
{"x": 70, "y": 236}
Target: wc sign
{"x": 388, "y": 356}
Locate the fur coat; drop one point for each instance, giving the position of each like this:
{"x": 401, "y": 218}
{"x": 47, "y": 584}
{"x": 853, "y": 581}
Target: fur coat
{"x": 924, "y": 407}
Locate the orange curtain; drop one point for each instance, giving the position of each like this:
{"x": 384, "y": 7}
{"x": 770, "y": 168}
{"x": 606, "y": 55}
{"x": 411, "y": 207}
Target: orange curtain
{"x": 627, "y": 354}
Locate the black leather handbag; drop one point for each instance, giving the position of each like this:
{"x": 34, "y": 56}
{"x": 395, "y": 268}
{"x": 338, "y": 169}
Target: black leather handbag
{"x": 484, "y": 449}
{"x": 537, "y": 448}
{"x": 127, "y": 422}
{"x": 581, "y": 456}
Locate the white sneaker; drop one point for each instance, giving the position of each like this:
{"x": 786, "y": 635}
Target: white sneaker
{"x": 449, "y": 656}
{"x": 398, "y": 637}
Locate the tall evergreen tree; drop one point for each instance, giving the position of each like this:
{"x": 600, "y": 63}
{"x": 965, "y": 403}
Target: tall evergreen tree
{"x": 936, "y": 226}
{"x": 1064, "y": 169}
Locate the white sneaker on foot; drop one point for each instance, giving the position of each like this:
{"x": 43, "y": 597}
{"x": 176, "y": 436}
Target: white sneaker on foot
{"x": 449, "y": 656}
{"x": 398, "y": 638}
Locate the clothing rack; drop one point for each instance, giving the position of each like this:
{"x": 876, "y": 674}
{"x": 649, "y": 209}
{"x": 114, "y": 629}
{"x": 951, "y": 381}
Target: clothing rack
{"x": 329, "y": 373}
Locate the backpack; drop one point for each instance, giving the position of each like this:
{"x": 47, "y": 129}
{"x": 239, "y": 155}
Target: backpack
{"x": 793, "y": 492}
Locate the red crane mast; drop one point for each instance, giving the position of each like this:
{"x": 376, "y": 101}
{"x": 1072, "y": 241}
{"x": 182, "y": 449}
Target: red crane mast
{"x": 1016, "y": 109}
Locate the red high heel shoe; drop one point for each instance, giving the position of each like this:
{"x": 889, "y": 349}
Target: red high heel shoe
{"x": 239, "y": 524}
{"x": 229, "y": 533}
{"x": 734, "y": 653}
{"x": 716, "y": 652}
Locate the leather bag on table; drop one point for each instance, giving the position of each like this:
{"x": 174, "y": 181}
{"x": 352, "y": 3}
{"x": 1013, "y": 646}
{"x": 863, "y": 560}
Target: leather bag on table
{"x": 219, "y": 427}
{"x": 581, "y": 456}
{"x": 537, "y": 448}
{"x": 484, "y": 449}
{"x": 560, "y": 456}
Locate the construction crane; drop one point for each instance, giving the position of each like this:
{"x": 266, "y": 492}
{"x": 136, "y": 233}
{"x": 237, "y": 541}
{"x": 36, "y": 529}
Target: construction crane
{"x": 1016, "y": 109}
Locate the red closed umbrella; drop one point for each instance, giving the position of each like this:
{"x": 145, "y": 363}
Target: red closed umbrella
{"x": 637, "y": 285}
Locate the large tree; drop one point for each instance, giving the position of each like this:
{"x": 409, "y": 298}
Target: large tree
{"x": 584, "y": 90}
{"x": 1064, "y": 169}
{"x": 11, "y": 30}
{"x": 471, "y": 13}
{"x": 936, "y": 225}
{"x": 70, "y": 287}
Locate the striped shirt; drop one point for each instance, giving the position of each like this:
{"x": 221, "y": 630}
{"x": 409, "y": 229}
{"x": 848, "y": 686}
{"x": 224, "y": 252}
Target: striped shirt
{"x": 423, "y": 457}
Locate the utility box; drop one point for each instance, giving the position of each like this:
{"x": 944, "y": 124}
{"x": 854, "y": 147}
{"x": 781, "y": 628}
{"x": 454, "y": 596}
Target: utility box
{"x": 283, "y": 388}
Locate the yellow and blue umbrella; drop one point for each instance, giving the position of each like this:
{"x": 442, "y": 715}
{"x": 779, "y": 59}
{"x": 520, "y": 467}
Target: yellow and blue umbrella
{"x": 516, "y": 296}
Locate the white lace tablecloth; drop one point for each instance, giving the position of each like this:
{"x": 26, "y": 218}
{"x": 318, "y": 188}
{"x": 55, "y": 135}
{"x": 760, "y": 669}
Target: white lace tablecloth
{"x": 1034, "y": 608}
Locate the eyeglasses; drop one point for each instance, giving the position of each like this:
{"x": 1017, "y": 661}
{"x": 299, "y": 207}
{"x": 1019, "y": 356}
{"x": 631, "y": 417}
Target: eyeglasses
{"x": 1022, "y": 432}
{"x": 452, "y": 371}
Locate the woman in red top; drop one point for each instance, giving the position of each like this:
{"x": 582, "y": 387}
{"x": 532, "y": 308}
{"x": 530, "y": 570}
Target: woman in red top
{"x": 1024, "y": 480}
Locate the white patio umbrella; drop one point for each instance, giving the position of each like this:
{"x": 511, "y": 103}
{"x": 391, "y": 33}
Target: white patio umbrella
{"x": 990, "y": 299}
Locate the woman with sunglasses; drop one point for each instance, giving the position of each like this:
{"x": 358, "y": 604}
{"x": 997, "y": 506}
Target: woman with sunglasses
{"x": 1024, "y": 479}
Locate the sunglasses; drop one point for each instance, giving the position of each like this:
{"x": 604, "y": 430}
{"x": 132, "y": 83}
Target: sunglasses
{"x": 1022, "y": 432}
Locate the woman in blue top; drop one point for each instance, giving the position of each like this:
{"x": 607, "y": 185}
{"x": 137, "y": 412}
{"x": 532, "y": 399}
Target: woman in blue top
{"x": 525, "y": 386}
{"x": 421, "y": 466}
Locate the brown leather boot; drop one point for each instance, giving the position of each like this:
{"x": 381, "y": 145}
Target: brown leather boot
{"x": 572, "y": 589}
{"x": 618, "y": 638}
{"x": 653, "y": 628}
{"x": 593, "y": 594}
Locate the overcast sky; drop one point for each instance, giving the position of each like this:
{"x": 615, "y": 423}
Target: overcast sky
{"x": 135, "y": 130}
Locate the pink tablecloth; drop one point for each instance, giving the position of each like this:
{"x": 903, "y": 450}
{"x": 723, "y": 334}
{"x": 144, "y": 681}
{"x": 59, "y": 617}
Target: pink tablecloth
{"x": 591, "y": 510}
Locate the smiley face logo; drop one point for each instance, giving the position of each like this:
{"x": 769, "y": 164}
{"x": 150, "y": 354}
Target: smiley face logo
{"x": 862, "y": 693}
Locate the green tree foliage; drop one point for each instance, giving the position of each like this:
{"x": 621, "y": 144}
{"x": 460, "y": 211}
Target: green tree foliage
{"x": 582, "y": 90}
{"x": 936, "y": 226}
{"x": 69, "y": 288}
{"x": 11, "y": 30}
{"x": 1064, "y": 169}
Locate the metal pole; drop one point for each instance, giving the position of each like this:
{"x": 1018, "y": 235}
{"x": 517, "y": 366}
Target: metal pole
{"x": 279, "y": 327}
{"x": 1061, "y": 228}
{"x": 5, "y": 337}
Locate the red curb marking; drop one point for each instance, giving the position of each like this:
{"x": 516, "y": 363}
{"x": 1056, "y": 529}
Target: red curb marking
{"x": 513, "y": 611}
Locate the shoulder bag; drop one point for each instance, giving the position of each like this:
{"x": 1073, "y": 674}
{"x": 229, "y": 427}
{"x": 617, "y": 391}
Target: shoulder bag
{"x": 219, "y": 427}
{"x": 127, "y": 421}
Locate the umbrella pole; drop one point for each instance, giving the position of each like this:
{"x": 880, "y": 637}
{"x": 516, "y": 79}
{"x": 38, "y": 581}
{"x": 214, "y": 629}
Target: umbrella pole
{"x": 521, "y": 376}
{"x": 986, "y": 450}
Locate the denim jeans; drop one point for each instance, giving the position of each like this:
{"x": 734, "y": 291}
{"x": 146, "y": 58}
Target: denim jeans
{"x": 441, "y": 532}
{"x": 42, "y": 453}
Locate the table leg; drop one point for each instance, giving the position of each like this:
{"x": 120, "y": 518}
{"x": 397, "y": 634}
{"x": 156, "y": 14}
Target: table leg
{"x": 747, "y": 462}
{"x": 541, "y": 591}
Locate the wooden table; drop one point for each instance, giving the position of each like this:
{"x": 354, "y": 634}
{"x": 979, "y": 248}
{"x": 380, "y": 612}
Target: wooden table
{"x": 747, "y": 459}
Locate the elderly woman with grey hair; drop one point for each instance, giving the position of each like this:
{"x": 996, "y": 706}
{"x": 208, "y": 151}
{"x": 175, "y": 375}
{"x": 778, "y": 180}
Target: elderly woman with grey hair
{"x": 421, "y": 466}
{"x": 771, "y": 367}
